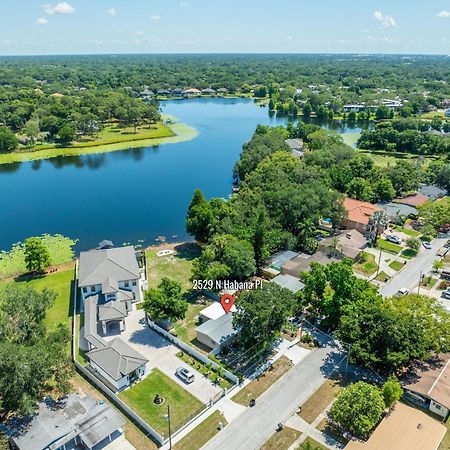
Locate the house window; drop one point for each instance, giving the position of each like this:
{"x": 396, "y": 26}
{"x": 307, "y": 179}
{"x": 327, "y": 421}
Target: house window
{"x": 127, "y": 284}
{"x": 92, "y": 288}
{"x": 437, "y": 406}
{"x": 134, "y": 282}
{"x": 85, "y": 290}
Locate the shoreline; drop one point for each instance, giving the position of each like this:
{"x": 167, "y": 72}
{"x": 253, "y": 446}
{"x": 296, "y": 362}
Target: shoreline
{"x": 182, "y": 133}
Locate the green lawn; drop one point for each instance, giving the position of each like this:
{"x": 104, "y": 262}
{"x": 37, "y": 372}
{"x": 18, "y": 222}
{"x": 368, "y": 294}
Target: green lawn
{"x": 60, "y": 282}
{"x": 177, "y": 267}
{"x": 383, "y": 158}
{"x": 445, "y": 444}
{"x": 281, "y": 440}
{"x": 368, "y": 267}
{"x": 409, "y": 253}
{"x": 311, "y": 444}
{"x": 383, "y": 277}
{"x": 388, "y": 246}
{"x": 407, "y": 231}
{"x": 140, "y": 398}
{"x": 202, "y": 433}
{"x": 13, "y": 262}
{"x": 396, "y": 265}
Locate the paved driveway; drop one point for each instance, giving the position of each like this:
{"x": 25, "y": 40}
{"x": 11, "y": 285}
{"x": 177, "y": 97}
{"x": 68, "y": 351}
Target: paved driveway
{"x": 161, "y": 354}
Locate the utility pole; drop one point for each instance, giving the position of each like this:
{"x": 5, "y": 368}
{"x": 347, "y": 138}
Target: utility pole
{"x": 346, "y": 362}
{"x": 170, "y": 432}
{"x": 379, "y": 261}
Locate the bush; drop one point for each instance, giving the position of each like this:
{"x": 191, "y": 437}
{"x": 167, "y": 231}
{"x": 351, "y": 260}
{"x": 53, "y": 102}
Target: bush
{"x": 443, "y": 284}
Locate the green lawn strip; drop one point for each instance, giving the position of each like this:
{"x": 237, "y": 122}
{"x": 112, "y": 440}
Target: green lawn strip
{"x": 409, "y": 253}
{"x": 204, "y": 370}
{"x": 388, "y": 246}
{"x": 445, "y": 444}
{"x": 182, "y": 404}
{"x": 367, "y": 267}
{"x": 311, "y": 444}
{"x": 59, "y": 282}
{"x": 429, "y": 282}
{"x": 282, "y": 440}
{"x": 396, "y": 265}
{"x": 13, "y": 262}
{"x": 258, "y": 386}
{"x": 382, "y": 277}
{"x": 319, "y": 400}
{"x": 80, "y": 355}
{"x": 202, "y": 433}
{"x": 384, "y": 158}
{"x": 181, "y": 133}
{"x": 407, "y": 231}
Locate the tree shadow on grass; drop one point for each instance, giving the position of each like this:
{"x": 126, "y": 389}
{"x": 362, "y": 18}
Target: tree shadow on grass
{"x": 188, "y": 251}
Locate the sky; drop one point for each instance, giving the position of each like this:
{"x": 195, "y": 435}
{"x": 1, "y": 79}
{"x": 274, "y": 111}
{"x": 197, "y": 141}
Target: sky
{"x": 35, "y": 27}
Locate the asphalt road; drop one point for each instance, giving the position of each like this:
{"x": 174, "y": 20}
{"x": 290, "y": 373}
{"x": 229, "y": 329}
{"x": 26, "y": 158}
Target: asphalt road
{"x": 409, "y": 276}
{"x": 254, "y": 427}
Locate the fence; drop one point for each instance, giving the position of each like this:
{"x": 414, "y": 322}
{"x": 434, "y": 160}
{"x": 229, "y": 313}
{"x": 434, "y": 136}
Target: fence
{"x": 99, "y": 384}
{"x": 196, "y": 354}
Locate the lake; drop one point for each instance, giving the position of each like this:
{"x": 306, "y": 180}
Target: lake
{"x": 136, "y": 194}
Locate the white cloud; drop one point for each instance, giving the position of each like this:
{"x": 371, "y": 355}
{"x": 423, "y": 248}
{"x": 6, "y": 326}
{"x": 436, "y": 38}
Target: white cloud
{"x": 112, "y": 12}
{"x": 59, "y": 8}
{"x": 138, "y": 32}
{"x": 41, "y": 21}
{"x": 443, "y": 14}
{"x": 386, "y": 21}
{"x": 156, "y": 17}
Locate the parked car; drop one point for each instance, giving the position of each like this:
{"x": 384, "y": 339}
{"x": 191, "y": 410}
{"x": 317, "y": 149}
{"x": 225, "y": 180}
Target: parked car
{"x": 446, "y": 294}
{"x": 447, "y": 244}
{"x": 442, "y": 251}
{"x": 403, "y": 291}
{"x": 393, "y": 239}
{"x": 185, "y": 375}
{"x": 426, "y": 245}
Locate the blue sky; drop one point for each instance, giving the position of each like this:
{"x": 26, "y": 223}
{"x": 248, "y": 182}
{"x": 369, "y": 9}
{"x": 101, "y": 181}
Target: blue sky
{"x": 202, "y": 26}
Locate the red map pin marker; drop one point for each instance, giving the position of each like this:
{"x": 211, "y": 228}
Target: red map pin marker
{"x": 227, "y": 302}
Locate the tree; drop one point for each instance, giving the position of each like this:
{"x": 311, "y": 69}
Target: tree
{"x": 67, "y": 133}
{"x": 8, "y": 140}
{"x": 358, "y": 409}
{"x": 382, "y": 112}
{"x": 199, "y": 217}
{"x": 392, "y": 391}
{"x": 383, "y": 190}
{"x": 360, "y": 189}
{"x": 165, "y": 302}
{"x": 37, "y": 256}
{"x": 428, "y": 231}
{"x": 413, "y": 244}
{"x": 307, "y": 109}
{"x": 32, "y": 130}
{"x": 438, "y": 265}
{"x": 261, "y": 314}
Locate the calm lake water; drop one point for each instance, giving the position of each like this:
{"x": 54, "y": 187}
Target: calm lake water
{"x": 133, "y": 194}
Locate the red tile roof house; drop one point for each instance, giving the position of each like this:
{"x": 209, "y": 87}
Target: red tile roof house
{"x": 359, "y": 214}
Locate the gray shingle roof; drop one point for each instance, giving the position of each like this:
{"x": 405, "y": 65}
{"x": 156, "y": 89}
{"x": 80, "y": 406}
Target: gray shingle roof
{"x": 119, "y": 264}
{"x": 117, "y": 359}
{"x": 112, "y": 310}
{"x": 219, "y": 330}
{"x": 279, "y": 258}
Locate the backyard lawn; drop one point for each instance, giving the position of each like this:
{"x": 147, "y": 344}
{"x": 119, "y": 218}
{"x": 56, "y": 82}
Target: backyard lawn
{"x": 445, "y": 444}
{"x": 388, "y": 246}
{"x": 177, "y": 266}
{"x": 320, "y": 400}
{"x": 408, "y": 231}
{"x": 367, "y": 267}
{"x": 140, "y": 398}
{"x": 281, "y": 440}
{"x": 382, "y": 276}
{"x": 311, "y": 444}
{"x": 202, "y": 433}
{"x": 60, "y": 282}
{"x": 258, "y": 386}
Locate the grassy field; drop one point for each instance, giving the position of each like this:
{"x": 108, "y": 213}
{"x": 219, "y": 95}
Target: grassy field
{"x": 13, "y": 262}
{"x": 111, "y": 141}
{"x": 281, "y": 440}
{"x": 383, "y": 158}
{"x": 382, "y": 276}
{"x": 320, "y": 400}
{"x": 389, "y": 246}
{"x": 257, "y": 387}
{"x": 396, "y": 265}
{"x": 409, "y": 253}
{"x": 202, "y": 433}
{"x": 60, "y": 282}
{"x": 445, "y": 444}
{"x": 140, "y": 398}
{"x": 351, "y": 138}
{"x": 368, "y": 267}
{"x": 311, "y": 444}
{"x": 177, "y": 266}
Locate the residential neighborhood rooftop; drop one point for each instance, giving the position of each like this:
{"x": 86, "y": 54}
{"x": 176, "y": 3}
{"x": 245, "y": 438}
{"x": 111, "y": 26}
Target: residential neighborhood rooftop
{"x": 108, "y": 266}
{"x": 359, "y": 211}
{"x": 349, "y": 243}
{"x": 214, "y": 311}
{"x": 218, "y": 330}
{"x": 289, "y": 282}
{"x": 302, "y": 263}
{"x": 279, "y": 258}
{"x": 413, "y": 200}
{"x": 403, "y": 428}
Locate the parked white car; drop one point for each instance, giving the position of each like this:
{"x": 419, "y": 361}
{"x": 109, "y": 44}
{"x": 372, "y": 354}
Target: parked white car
{"x": 393, "y": 239}
{"x": 426, "y": 245}
{"x": 403, "y": 291}
{"x": 184, "y": 374}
